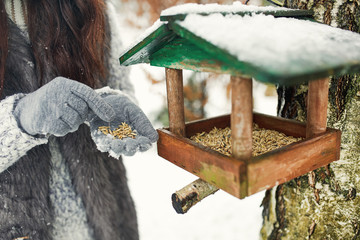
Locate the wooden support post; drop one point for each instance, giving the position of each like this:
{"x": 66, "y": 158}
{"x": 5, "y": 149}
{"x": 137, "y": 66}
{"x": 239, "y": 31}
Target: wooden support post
{"x": 175, "y": 99}
{"x": 241, "y": 117}
{"x": 317, "y": 102}
{"x": 241, "y": 125}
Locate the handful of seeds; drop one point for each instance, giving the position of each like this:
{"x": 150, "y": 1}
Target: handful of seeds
{"x": 264, "y": 140}
{"x": 123, "y": 131}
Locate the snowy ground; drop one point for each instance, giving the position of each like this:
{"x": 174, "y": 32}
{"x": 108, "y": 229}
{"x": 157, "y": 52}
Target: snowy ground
{"x": 152, "y": 179}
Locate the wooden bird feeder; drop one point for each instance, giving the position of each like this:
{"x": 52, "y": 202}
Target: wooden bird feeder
{"x": 182, "y": 41}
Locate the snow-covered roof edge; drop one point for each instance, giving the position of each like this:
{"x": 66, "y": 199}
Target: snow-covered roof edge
{"x": 215, "y": 8}
{"x": 143, "y": 36}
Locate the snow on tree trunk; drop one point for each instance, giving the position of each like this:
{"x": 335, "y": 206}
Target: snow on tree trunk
{"x": 323, "y": 204}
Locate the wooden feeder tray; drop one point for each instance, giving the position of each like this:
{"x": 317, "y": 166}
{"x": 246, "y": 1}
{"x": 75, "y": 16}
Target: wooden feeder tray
{"x": 262, "y": 172}
{"x": 174, "y": 43}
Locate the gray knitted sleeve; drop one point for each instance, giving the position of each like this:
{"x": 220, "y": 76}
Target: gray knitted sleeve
{"x": 14, "y": 143}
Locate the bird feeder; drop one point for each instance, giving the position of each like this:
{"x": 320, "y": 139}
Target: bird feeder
{"x": 258, "y": 43}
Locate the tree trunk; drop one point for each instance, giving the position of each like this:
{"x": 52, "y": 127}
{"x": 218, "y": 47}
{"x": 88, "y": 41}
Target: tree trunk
{"x": 322, "y": 204}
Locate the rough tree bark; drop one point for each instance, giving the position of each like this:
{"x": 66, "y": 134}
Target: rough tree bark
{"x": 323, "y": 204}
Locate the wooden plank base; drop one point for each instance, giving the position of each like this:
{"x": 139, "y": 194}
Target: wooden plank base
{"x": 264, "y": 171}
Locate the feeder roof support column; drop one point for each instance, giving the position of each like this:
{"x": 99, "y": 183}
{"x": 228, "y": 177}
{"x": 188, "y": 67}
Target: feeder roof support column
{"x": 175, "y": 99}
{"x": 241, "y": 117}
{"x": 317, "y": 102}
{"x": 241, "y": 125}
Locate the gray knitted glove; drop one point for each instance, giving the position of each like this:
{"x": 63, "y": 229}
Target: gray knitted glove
{"x": 128, "y": 112}
{"x": 59, "y": 107}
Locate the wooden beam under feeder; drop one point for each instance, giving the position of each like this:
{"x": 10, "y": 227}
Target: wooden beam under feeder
{"x": 175, "y": 44}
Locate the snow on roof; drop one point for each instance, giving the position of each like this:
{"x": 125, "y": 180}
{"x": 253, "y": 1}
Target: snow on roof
{"x": 214, "y": 7}
{"x": 157, "y": 24}
{"x": 283, "y": 45}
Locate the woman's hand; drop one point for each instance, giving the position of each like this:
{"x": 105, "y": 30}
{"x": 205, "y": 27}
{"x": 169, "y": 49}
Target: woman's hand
{"x": 59, "y": 107}
{"x": 128, "y": 112}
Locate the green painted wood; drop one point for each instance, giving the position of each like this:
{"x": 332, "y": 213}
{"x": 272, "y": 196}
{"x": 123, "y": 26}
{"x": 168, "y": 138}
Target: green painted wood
{"x": 235, "y": 67}
{"x": 282, "y": 13}
{"x": 182, "y": 54}
{"x": 229, "y": 63}
{"x": 141, "y": 52}
{"x": 173, "y": 46}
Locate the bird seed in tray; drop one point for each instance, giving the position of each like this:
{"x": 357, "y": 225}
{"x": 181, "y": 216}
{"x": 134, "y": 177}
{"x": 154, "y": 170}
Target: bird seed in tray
{"x": 264, "y": 140}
